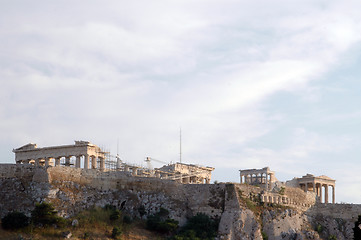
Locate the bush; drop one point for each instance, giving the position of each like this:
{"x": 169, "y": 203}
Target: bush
{"x": 116, "y": 232}
{"x": 14, "y": 220}
{"x": 356, "y": 229}
{"x": 45, "y": 214}
{"x": 319, "y": 228}
{"x": 141, "y": 210}
{"x": 160, "y": 222}
{"x": 264, "y": 235}
{"x": 109, "y": 207}
{"x": 115, "y": 215}
{"x": 200, "y": 226}
{"x": 332, "y": 237}
{"x": 127, "y": 219}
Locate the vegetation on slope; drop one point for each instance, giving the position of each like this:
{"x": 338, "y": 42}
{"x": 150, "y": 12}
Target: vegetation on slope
{"x": 104, "y": 223}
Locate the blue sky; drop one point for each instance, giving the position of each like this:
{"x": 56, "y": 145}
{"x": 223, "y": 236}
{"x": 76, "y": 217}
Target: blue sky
{"x": 251, "y": 84}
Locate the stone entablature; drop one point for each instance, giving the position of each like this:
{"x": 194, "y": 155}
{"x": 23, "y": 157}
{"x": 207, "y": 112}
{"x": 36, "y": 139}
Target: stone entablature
{"x": 263, "y": 176}
{"x": 91, "y": 155}
{"x": 315, "y": 184}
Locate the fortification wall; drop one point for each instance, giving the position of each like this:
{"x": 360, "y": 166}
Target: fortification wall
{"x": 292, "y": 197}
{"x": 347, "y": 212}
{"x": 74, "y": 189}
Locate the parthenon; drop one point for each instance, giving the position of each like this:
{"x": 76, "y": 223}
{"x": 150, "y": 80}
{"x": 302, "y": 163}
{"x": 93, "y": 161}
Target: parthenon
{"x": 90, "y": 156}
{"x": 81, "y": 150}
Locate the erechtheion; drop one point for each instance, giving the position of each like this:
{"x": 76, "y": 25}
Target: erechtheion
{"x": 315, "y": 184}
{"x": 265, "y": 178}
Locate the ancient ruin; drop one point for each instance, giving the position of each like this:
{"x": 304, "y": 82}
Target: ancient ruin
{"x": 315, "y": 184}
{"x": 187, "y": 173}
{"x": 266, "y": 179}
{"x": 89, "y": 156}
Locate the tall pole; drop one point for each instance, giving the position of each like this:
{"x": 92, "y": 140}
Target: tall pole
{"x": 180, "y": 145}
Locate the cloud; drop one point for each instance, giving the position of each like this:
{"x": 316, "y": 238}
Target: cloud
{"x": 138, "y": 71}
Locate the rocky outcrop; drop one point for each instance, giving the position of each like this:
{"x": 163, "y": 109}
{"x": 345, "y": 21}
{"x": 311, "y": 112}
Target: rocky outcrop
{"x": 241, "y": 212}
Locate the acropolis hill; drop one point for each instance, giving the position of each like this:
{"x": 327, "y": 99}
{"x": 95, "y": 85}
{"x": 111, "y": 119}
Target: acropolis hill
{"x": 79, "y": 176}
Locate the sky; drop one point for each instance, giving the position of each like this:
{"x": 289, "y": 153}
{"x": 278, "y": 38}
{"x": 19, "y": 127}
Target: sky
{"x": 250, "y": 83}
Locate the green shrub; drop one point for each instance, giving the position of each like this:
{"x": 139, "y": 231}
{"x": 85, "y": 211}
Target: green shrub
{"x": 127, "y": 219}
{"x": 319, "y": 228}
{"x": 115, "y": 215}
{"x": 141, "y": 210}
{"x": 160, "y": 222}
{"x": 356, "y": 229}
{"x": 200, "y": 226}
{"x": 45, "y": 214}
{"x": 109, "y": 207}
{"x": 264, "y": 235}
{"x": 333, "y": 237}
{"x": 116, "y": 232}
{"x": 14, "y": 220}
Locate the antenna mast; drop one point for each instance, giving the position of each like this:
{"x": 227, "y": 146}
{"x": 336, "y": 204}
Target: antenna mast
{"x": 180, "y": 145}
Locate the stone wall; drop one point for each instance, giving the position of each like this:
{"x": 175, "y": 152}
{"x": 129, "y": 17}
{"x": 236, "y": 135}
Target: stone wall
{"x": 348, "y": 212}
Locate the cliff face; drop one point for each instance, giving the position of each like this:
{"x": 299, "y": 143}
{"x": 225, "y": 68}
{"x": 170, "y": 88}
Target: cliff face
{"x": 242, "y": 215}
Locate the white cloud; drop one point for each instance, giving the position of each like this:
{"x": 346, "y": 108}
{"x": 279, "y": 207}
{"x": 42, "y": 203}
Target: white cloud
{"x": 138, "y": 71}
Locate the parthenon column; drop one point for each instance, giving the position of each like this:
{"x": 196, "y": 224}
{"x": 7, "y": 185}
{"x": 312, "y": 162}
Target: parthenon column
{"x": 77, "y": 162}
{"x": 102, "y": 163}
{"x": 320, "y": 192}
{"x": 314, "y": 186}
{"x": 47, "y": 162}
{"x": 67, "y": 161}
{"x": 57, "y": 161}
{"x": 241, "y": 178}
{"x": 86, "y": 161}
{"x": 333, "y": 194}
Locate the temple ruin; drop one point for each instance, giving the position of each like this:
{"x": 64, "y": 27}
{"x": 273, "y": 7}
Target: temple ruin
{"x": 91, "y": 155}
{"x": 315, "y": 184}
{"x": 86, "y": 155}
{"x": 266, "y": 179}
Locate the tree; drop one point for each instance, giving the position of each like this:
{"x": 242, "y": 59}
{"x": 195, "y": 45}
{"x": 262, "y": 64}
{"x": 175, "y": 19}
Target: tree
{"x": 357, "y": 229}
{"x": 45, "y": 214}
{"x": 14, "y": 220}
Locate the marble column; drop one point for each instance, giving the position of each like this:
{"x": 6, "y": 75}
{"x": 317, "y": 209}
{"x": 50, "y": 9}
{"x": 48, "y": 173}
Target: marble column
{"x": 333, "y": 195}
{"x": 57, "y": 161}
{"x": 77, "y": 162}
{"x": 326, "y": 194}
{"x": 67, "y": 161}
{"x": 266, "y": 181}
{"x": 102, "y": 164}
{"x": 86, "y": 161}
{"x": 94, "y": 162}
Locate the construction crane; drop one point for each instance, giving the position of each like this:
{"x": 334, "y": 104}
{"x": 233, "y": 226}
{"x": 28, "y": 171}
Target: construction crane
{"x": 149, "y": 164}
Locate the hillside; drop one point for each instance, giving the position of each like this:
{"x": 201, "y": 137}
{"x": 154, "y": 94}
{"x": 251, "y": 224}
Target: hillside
{"x": 240, "y": 208}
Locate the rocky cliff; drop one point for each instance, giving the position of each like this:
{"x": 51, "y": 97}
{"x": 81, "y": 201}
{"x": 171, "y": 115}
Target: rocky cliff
{"x": 239, "y": 207}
